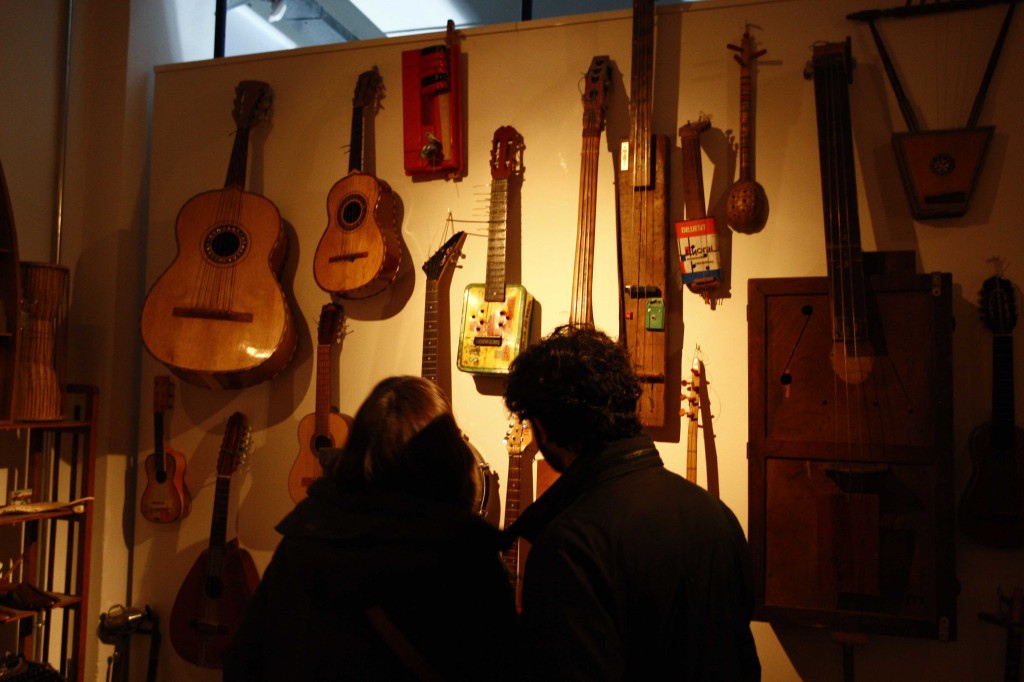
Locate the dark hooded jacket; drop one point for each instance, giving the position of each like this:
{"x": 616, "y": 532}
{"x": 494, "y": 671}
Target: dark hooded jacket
{"x": 434, "y": 570}
{"x": 634, "y": 573}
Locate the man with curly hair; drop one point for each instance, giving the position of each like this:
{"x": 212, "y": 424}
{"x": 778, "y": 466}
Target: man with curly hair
{"x": 634, "y": 573}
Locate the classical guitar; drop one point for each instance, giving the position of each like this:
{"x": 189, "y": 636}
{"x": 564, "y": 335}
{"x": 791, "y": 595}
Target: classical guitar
{"x": 643, "y": 245}
{"x": 212, "y": 599}
{"x": 359, "y": 253}
{"x": 485, "y": 480}
{"x": 518, "y": 496}
{"x": 325, "y": 427}
{"x": 992, "y": 506}
{"x": 496, "y": 315}
{"x": 217, "y": 317}
{"x": 166, "y": 497}
{"x": 597, "y": 83}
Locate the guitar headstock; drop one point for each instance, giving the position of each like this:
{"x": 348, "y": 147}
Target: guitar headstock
{"x": 693, "y": 129}
{"x": 519, "y": 436}
{"x": 506, "y": 153}
{"x": 252, "y": 103}
{"x": 998, "y": 305}
{"x": 236, "y": 443}
{"x": 747, "y": 53}
{"x": 163, "y": 393}
{"x": 692, "y": 397}
{"x": 598, "y": 82}
{"x": 369, "y": 89}
{"x": 444, "y": 257}
{"x": 331, "y": 328}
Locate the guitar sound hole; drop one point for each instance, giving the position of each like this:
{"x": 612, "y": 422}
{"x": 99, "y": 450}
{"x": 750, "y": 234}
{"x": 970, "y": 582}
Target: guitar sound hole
{"x": 352, "y": 212}
{"x": 226, "y": 244}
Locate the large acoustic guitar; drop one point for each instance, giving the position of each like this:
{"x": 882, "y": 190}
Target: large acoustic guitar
{"x": 217, "y": 317}
{"x": 359, "y": 252}
{"x": 496, "y": 315}
{"x": 166, "y": 497}
{"x": 992, "y": 506}
{"x": 325, "y": 427}
{"x": 212, "y": 599}
{"x": 643, "y": 245}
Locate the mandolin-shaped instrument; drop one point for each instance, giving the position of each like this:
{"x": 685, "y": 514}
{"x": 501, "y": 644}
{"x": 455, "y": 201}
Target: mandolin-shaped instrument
{"x": 166, "y": 497}
{"x": 325, "y": 427}
{"x": 359, "y": 253}
{"x": 747, "y": 205}
{"x": 217, "y": 317}
{"x": 212, "y": 599}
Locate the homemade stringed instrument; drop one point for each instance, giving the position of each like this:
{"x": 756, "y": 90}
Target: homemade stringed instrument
{"x": 496, "y": 315}
{"x": 166, "y": 497}
{"x": 217, "y": 317}
{"x": 992, "y": 506}
{"x": 359, "y": 253}
{"x": 747, "y": 204}
{"x": 325, "y": 427}
{"x": 212, "y": 599}
{"x": 697, "y": 235}
{"x": 643, "y": 245}
{"x": 518, "y": 496}
{"x": 485, "y": 481}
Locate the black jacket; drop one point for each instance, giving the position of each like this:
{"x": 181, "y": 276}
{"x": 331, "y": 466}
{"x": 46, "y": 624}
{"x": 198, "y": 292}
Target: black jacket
{"x": 634, "y": 573}
{"x": 435, "y": 571}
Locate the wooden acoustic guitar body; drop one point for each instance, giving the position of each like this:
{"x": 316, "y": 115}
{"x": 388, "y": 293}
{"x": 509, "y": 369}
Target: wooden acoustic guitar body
{"x": 306, "y": 467}
{"x": 217, "y": 317}
{"x": 359, "y": 253}
{"x": 166, "y": 497}
{"x": 208, "y": 610}
{"x": 992, "y": 506}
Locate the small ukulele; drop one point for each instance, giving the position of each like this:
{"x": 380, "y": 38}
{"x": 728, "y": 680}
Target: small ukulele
{"x": 359, "y": 253}
{"x": 218, "y": 317}
{"x": 496, "y": 315}
{"x": 325, "y": 427}
{"x": 166, "y": 497}
{"x": 992, "y": 506}
{"x": 211, "y": 602}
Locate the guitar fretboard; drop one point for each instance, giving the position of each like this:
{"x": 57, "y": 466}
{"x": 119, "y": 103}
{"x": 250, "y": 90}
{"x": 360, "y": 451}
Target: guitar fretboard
{"x": 496, "y": 231}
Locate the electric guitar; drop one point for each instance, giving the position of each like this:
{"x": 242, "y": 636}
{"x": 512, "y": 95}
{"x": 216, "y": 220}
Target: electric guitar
{"x": 496, "y": 315}
{"x": 217, "y": 317}
{"x": 518, "y": 496}
{"x": 212, "y": 599}
{"x": 359, "y": 253}
{"x": 992, "y": 506}
{"x": 166, "y": 497}
{"x": 325, "y": 427}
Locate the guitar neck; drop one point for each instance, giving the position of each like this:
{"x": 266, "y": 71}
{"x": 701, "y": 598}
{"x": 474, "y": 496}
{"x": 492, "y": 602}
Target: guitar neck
{"x": 691, "y": 451}
{"x": 428, "y": 365}
{"x": 1003, "y": 408}
{"x": 158, "y": 442}
{"x": 640, "y": 101}
{"x": 219, "y": 523}
{"x": 239, "y": 159}
{"x": 581, "y": 307}
{"x": 355, "y": 161}
{"x": 323, "y": 389}
{"x": 494, "y": 290}
{"x": 512, "y": 504}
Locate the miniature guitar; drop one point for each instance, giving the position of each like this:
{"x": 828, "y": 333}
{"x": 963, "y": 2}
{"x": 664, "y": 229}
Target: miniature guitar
{"x": 992, "y": 506}
{"x": 325, "y": 427}
{"x": 212, "y": 599}
{"x": 217, "y": 317}
{"x": 166, "y": 497}
{"x": 359, "y": 253}
{"x": 495, "y": 315}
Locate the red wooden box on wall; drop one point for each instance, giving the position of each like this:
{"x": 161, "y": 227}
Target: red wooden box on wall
{"x": 432, "y": 111}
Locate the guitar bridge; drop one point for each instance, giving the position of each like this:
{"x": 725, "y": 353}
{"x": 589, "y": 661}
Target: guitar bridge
{"x": 348, "y": 257}
{"x": 212, "y": 314}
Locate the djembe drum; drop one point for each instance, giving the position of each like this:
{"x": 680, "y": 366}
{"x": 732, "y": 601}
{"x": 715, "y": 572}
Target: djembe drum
{"x": 39, "y": 393}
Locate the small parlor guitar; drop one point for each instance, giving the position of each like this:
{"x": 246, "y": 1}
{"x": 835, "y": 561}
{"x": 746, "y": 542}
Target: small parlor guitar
{"x": 217, "y": 317}
{"x": 496, "y": 315}
{"x": 992, "y": 506}
{"x": 212, "y": 599}
{"x": 518, "y": 496}
{"x": 324, "y": 428}
{"x": 359, "y": 252}
{"x": 166, "y": 497}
